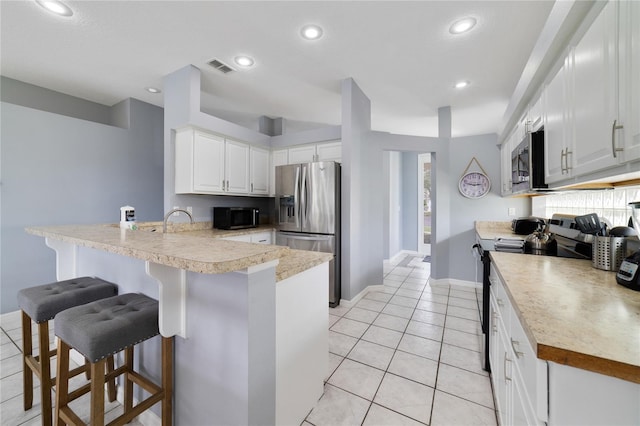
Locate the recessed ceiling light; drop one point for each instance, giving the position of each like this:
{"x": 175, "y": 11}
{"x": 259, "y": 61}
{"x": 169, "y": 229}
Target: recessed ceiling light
{"x": 56, "y": 7}
{"x": 244, "y": 61}
{"x": 461, "y": 84}
{"x": 152, "y": 90}
{"x": 462, "y": 25}
{"x": 311, "y": 32}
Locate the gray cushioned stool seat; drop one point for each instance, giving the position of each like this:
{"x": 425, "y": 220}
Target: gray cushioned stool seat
{"x": 105, "y": 327}
{"x": 43, "y": 302}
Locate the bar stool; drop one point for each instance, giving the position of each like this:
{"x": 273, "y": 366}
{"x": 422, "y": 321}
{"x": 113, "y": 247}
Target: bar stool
{"x": 106, "y": 327}
{"x": 41, "y": 304}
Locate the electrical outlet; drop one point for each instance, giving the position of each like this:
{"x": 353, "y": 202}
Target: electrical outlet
{"x": 176, "y": 213}
{"x": 512, "y": 211}
{"x": 190, "y": 209}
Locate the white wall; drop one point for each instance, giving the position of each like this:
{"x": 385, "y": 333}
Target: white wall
{"x": 57, "y": 169}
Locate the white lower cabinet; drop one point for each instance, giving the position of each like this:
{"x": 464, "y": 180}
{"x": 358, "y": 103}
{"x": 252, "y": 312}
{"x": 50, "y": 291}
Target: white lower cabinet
{"x": 262, "y": 238}
{"x": 519, "y": 378}
{"x": 256, "y": 237}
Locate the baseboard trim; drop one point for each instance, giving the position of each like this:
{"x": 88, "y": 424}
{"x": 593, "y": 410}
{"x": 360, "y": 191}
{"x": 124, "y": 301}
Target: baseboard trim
{"x": 359, "y": 296}
{"x": 446, "y": 282}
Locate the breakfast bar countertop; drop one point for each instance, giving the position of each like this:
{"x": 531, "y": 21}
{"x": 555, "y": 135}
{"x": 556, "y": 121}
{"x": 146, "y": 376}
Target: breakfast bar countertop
{"x": 574, "y": 314}
{"x": 195, "y": 248}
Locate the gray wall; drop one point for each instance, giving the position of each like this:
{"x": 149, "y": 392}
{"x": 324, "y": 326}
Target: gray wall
{"x": 464, "y": 212}
{"x": 362, "y": 200}
{"x": 410, "y": 201}
{"x": 57, "y": 169}
{"x": 19, "y": 93}
{"x": 454, "y": 215}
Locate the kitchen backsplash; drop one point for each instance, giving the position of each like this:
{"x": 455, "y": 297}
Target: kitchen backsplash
{"x": 611, "y": 205}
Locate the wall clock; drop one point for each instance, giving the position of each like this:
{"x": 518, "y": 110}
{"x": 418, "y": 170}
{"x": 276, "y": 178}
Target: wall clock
{"x": 474, "y": 184}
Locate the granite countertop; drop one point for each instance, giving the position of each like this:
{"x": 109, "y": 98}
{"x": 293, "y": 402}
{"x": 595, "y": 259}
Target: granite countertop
{"x": 196, "y": 248}
{"x": 491, "y": 230}
{"x": 574, "y": 314}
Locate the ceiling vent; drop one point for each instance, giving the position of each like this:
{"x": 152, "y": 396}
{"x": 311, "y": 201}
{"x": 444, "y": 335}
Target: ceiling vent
{"x": 220, "y": 66}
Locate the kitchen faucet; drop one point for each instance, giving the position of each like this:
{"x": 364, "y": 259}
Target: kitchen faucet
{"x": 166, "y": 218}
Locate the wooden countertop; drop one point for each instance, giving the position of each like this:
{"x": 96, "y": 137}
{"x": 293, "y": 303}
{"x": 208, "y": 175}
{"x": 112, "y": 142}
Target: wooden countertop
{"x": 196, "y": 248}
{"x": 574, "y": 314}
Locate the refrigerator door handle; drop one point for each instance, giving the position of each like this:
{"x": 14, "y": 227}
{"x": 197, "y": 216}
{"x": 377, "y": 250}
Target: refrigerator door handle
{"x": 303, "y": 198}
{"x": 296, "y": 195}
{"x": 295, "y": 236}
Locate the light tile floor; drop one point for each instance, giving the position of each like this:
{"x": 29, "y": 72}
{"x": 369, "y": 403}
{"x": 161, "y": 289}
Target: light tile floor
{"x": 408, "y": 354}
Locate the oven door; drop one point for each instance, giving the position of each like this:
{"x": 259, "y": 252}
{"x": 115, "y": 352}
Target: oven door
{"x": 483, "y": 270}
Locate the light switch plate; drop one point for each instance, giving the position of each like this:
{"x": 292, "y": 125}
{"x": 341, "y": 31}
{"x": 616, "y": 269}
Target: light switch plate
{"x": 512, "y": 211}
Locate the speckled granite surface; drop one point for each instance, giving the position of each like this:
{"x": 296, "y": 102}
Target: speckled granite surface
{"x": 491, "y": 230}
{"x": 574, "y": 314}
{"x": 199, "y": 249}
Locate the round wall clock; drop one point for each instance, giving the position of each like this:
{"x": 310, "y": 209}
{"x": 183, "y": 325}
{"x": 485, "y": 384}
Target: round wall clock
{"x": 474, "y": 184}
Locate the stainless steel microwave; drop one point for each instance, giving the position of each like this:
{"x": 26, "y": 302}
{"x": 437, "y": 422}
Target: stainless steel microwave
{"x": 527, "y": 164}
{"x": 235, "y": 217}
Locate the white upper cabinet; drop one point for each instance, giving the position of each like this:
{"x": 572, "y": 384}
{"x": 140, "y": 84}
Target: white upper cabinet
{"x": 629, "y": 59}
{"x": 558, "y": 144}
{"x": 592, "y": 107}
{"x": 210, "y": 164}
{"x": 259, "y": 159}
{"x": 302, "y": 154}
{"x": 331, "y": 151}
{"x": 326, "y": 151}
{"x": 595, "y": 88}
{"x": 237, "y": 167}
{"x": 505, "y": 163}
{"x": 199, "y": 162}
{"x": 536, "y": 114}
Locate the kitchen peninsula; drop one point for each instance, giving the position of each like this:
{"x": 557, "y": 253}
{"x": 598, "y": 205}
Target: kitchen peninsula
{"x": 251, "y": 318}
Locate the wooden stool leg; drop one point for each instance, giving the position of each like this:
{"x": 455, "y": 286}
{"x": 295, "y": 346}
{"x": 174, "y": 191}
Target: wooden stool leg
{"x": 27, "y": 351}
{"x": 62, "y": 380}
{"x": 167, "y": 381}
{"x": 128, "y": 383}
{"x": 87, "y": 372}
{"x": 45, "y": 372}
{"x": 97, "y": 392}
{"x": 111, "y": 386}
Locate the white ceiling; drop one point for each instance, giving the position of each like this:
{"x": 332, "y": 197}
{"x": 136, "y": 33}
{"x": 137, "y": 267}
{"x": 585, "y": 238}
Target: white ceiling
{"x": 400, "y": 53}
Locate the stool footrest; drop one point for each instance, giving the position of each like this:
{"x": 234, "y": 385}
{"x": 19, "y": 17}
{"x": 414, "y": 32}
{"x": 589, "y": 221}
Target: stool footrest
{"x": 77, "y": 393}
{"x": 69, "y": 417}
{"x": 140, "y": 408}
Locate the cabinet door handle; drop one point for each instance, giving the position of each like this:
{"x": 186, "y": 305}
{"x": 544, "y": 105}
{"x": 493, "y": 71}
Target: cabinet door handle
{"x": 251, "y": 187}
{"x": 515, "y": 343}
{"x": 223, "y": 184}
{"x": 562, "y": 157}
{"x": 506, "y": 378}
{"x": 227, "y": 185}
{"x": 615, "y": 127}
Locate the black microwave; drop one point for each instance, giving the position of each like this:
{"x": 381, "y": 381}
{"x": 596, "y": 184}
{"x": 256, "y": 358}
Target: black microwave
{"x": 235, "y": 217}
{"x": 527, "y": 164}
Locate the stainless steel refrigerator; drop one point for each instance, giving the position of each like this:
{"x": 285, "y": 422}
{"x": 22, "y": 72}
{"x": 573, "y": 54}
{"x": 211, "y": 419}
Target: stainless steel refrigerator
{"x": 308, "y": 213}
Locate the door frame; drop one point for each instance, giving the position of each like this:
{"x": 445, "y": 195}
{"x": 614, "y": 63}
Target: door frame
{"x": 422, "y": 247}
